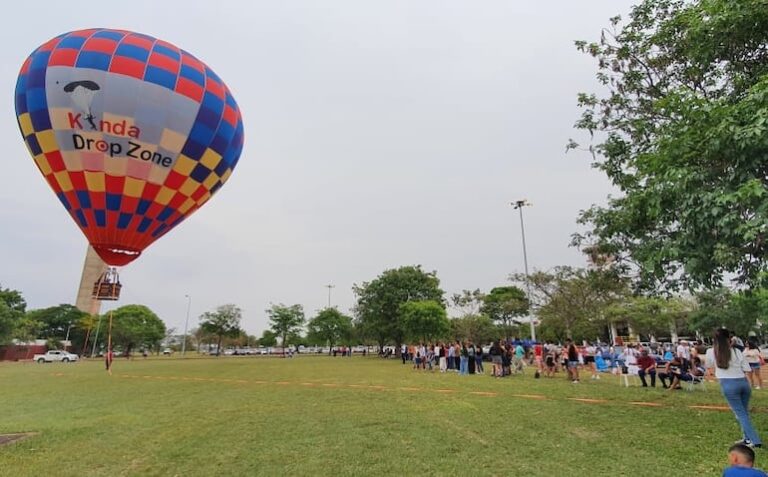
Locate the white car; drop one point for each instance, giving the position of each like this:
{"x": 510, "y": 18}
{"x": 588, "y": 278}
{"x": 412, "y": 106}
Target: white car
{"x": 55, "y": 356}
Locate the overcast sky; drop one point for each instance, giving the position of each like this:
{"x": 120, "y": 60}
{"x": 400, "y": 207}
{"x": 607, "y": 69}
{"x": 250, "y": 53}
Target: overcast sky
{"x": 377, "y": 134}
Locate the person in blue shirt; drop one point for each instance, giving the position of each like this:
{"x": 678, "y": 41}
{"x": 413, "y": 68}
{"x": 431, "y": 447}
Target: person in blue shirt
{"x": 741, "y": 460}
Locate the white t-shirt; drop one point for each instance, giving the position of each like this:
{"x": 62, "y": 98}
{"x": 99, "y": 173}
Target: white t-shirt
{"x": 683, "y": 352}
{"x": 752, "y": 355}
{"x": 736, "y": 368}
{"x": 630, "y": 356}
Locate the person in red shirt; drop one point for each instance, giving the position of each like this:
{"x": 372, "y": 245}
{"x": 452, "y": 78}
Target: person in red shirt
{"x": 538, "y": 351}
{"x": 647, "y": 366}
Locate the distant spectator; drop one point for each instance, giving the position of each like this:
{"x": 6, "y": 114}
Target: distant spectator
{"x": 451, "y": 357}
{"x": 573, "y": 361}
{"x": 471, "y": 363}
{"x": 442, "y": 355}
{"x": 741, "y": 461}
{"x": 538, "y": 355}
{"x": 550, "y": 362}
{"x": 675, "y": 367}
{"x": 517, "y": 361}
{"x": 647, "y": 367}
{"x": 753, "y": 357}
{"x": 479, "y": 359}
{"x": 589, "y": 360}
{"x": 730, "y": 368}
{"x": 737, "y": 343}
{"x": 464, "y": 359}
{"x": 495, "y": 353}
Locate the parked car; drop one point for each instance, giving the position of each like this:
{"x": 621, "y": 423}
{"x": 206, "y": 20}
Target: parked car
{"x": 55, "y": 355}
{"x": 167, "y": 351}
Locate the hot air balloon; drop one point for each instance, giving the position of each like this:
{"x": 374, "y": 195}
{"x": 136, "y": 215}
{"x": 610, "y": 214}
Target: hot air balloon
{"x": 132, "y": 134}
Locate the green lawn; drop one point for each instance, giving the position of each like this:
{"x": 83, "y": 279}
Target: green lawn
{"x": 347, "y": 416}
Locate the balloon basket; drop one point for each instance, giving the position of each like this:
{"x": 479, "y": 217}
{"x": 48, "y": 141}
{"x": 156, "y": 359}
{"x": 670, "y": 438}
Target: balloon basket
{"x": 107, "y": 287}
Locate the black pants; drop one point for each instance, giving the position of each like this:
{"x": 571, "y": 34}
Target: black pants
{"x": 664, "y": 376}
{"x": 652, "y": 373}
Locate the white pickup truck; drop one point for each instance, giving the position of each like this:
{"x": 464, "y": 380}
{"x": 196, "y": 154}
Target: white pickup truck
{"x": 55, "y": 355}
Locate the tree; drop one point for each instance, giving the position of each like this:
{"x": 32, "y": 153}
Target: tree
{"x": 200, "y": 336}
{"x": 12, "y": 308}
{"x": 285, "y": 320}
{"x": 739, "y": 312}
{"x": 268, "y": 338}
{"x": 27, "y": 330}
{"x": 329, "y": 326}
{"x": 82, "y": 333}
{"x": 572, "y": 302}
{"x": 651, "y": 316}
{"x": 425, "y": 320}
{"x": 504, "y": 304}
{"x": 224, "y": 321}
{"x": 681, "y": 133}
{"x": 136, "y": 326}
{"x": 379, "y": 302}
{"x": 468, "y": 302}
{"x": 13, "y": 299}
{"x": 56, "y": 321}
{"x": 478, "y": 328}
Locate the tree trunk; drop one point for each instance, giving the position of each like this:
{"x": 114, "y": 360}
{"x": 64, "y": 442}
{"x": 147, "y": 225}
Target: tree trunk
{"x": 672, "y": 331}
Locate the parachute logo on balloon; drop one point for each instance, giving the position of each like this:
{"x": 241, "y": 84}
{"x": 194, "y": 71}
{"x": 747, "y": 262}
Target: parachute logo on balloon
{"x": 82, "y": 93}
{"x": 132, "y": 134}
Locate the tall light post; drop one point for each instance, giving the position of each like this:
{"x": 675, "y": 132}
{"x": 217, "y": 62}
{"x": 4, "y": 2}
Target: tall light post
{"x": 186, "y": 324}
{"x": 96, "y": 339}
{"x": 66, "y": 340}
{"x": 519, "y": 204}
{"x": 329, "y": 287}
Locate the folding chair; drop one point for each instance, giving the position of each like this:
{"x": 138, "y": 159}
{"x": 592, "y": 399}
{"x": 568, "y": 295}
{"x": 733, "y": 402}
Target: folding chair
{"x": 630, "y": 375}
{"x": 695, "y": 381}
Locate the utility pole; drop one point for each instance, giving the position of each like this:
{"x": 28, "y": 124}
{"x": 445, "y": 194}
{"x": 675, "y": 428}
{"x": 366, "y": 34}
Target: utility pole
{"x": 519, "y": 204}
{"x": 329, "y": 287}
{"x": 96, "y": 339}
{"x": 186, "y": 324}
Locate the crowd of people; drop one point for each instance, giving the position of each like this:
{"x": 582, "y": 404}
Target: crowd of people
{"x": 466, "y": 357}
{"x": 734, "y": 364}
{"x": 671, "y": 364}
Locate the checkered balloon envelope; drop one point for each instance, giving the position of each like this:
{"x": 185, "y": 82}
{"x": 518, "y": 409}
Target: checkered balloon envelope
{"x": 132, "y": 134}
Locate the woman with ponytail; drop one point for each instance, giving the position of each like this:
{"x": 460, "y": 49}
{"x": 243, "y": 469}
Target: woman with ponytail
{"x": 730, "y": 368}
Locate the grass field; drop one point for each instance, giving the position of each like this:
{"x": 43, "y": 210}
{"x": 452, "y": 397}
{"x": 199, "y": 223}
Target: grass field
{"x": 349, "y": 416}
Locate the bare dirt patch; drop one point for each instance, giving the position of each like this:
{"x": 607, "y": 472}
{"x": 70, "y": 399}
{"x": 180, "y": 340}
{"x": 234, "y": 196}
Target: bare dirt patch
{"x": 6, "y": 439}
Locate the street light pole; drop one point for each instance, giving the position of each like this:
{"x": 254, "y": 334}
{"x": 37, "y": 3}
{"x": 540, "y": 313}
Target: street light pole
{"x": 519, "y": 204}
{"x": 186, "y": 324}
{"x": 66, "y": 340}
{"x": 96, "y": 339}
{"x": 329, "y": 287}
